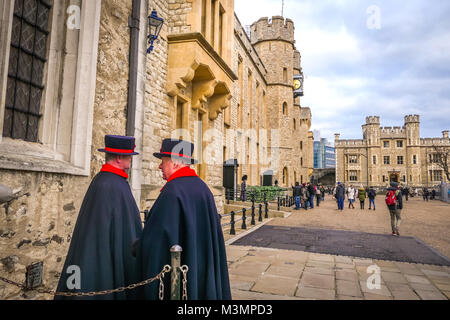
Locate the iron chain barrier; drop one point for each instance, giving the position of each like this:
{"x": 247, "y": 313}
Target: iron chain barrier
{"x": 175, "y": 294}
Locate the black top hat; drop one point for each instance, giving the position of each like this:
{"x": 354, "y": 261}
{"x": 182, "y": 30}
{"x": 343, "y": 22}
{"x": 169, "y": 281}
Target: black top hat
{"x": 244, "y": 177}
{"x": 177, "y": 149}
{"x": 121, "y": 145}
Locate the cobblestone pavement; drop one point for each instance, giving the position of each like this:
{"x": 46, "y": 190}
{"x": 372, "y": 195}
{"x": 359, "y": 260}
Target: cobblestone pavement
{"x": 272, "y": 274}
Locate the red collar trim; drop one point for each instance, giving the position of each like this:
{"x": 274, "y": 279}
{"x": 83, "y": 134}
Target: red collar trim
{"x": 183, "y": 172}
{"x": 110, "y": 168}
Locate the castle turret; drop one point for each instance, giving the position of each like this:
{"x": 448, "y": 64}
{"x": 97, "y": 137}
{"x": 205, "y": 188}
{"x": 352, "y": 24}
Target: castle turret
{"x": 412, "y": 127}
{"x": 275, "y": 29}
{"x": 371, "y": 130}
{"x": 273, "y": 40}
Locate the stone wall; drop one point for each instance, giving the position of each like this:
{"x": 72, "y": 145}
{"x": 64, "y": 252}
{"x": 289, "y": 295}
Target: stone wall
{"x": 37, "y": 226}
{"x": 158, "y": 111}
{"x": 178, "y": 12}
{"x": 112, "y": 76}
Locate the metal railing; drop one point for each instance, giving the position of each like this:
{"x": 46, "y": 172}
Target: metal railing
{"x": 244, "y": 217}
{"x": 260, "y": 196}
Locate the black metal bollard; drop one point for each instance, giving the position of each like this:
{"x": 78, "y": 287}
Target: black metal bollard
{"x": 244, "y": 226}
{"x": 232, "y": 231}
{"x": 266, "y": 215}
{"x": 279, "y": 200}
{"x": 260, "y": 213}
{"x": 253, "y": 210}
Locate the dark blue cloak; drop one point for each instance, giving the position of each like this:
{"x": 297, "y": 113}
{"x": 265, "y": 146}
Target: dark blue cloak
{"x": 185, "y": 214}
{"x": 107, "y": 225}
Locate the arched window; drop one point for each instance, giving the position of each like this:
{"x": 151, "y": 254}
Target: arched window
{"x": 285, "y": 176}
{"x": 285, "y": 111}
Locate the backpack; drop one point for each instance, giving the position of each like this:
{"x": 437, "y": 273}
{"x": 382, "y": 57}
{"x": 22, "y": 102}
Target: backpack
{"x": 391, "y": 199}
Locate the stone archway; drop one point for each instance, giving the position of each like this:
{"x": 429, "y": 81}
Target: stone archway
{"x": 394, "y": 177}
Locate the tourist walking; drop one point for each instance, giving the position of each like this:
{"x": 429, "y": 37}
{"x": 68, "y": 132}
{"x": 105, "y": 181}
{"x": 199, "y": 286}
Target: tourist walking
{"x": 304, "y": 196}
{"x": 351, "y": 192}
{"x": 244, "y": 188}
{"x": 371, "y": 194}
{"x": 296, "y": 192}
{"x": 318, "y": 195}
{"x": 395, "y": 206}
{"x": 406, "y": 192}
{"x": 425, "y": 194}
{"x": 312, "y": 191}
{"x": 362, "y": 197}
{"x": 322, "y": 192}
{"x": 340, "y": 194}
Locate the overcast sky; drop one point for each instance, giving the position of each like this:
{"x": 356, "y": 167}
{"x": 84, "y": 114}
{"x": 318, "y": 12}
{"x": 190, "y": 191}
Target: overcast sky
{"x": 387, "y": 58}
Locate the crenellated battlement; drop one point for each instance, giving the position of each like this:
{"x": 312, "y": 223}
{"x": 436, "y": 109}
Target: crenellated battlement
{"x": 276, "y": 28}
{"x": 434, "y": 142}
{"x": 349, "y": 143}
{"x": 373, "y": 120}
{"x": 415, "y": 118}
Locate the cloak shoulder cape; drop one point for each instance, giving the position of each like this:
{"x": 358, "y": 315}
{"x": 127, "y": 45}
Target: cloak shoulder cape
{"x": 185, "y": 214}
{"x": 107, "y": 225}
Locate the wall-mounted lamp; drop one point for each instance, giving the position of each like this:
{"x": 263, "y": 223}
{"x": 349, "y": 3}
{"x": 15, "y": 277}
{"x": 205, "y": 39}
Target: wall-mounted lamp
{"x": 154, "y": 23}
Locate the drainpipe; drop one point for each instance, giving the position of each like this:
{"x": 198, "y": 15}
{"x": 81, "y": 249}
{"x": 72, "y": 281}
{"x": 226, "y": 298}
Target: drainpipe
{"x": 133, "y": 23}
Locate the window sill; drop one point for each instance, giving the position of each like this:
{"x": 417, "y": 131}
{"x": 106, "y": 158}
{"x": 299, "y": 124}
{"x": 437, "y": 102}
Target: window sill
{"x": 26, "y": 156}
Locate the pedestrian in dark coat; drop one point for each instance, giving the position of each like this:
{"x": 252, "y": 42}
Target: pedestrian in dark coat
{"x": 396, "y": 208}
{"x": 425, "y": 194}
{"x": 340, "y": 194}
{"x": 184, "y": 214}
{"x": 244, "y": 188}
{"x": 108, "y": 223}
{"x": 371, "y": 194}
{"x": 296, "y": 192}
{"x": 304, "y": 196}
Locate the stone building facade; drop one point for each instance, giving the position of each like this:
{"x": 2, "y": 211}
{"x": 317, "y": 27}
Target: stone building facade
{"x": 390, "y": 154}
{"x": 64, "y": 76}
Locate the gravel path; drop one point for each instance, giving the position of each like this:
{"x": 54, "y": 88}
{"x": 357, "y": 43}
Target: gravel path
{"x": 428, "y": 221}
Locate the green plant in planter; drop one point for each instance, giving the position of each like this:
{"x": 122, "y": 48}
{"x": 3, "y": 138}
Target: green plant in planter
{"x": 272, "y": 193}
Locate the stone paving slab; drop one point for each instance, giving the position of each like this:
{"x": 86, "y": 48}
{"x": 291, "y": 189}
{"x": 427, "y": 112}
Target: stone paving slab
{"x": 317, "y": 280}
{"x": 271, "y": 274}
{"x": 315, "y": 293}
{"x": 275, "y": 285}
{"x": 348, "y": 288}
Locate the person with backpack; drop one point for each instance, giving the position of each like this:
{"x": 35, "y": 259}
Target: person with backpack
{"x": 304, "y": 196}
{"x": 318, "y": 195}
{"x": 395, "y": 205}
{"x": 362, "y": 197}
{"x": 371, "y": 194}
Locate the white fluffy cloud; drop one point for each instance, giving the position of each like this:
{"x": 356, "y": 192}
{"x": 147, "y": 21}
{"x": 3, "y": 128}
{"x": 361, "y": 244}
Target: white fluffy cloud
{"x": 352, "y": 71}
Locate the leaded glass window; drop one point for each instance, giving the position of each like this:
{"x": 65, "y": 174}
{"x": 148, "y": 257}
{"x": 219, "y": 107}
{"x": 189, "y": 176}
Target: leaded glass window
{"x": 27, "y": 60}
